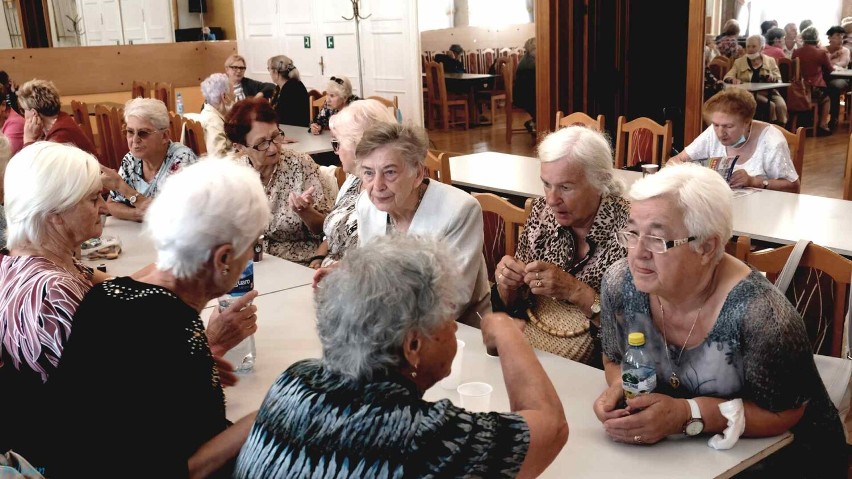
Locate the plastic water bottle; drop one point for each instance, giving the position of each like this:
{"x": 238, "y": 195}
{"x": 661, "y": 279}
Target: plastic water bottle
{"x": 638, "y": 371}
{"x": 179, "y": 104}
{"x": 242, "y": 355}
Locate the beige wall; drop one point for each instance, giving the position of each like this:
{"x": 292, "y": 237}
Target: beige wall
{"x": 472, "y": 38}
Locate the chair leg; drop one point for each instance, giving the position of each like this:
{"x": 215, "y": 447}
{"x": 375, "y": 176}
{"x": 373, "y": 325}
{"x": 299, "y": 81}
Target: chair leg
{"x": 509, "y": 123}
{"x": 466, "y": 117}
{"x": 445, "y": 117}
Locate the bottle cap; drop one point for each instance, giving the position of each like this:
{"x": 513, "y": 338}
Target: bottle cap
{"x": 636, "y": 339}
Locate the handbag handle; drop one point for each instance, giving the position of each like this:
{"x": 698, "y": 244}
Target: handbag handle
{"x": 783, "y": 281}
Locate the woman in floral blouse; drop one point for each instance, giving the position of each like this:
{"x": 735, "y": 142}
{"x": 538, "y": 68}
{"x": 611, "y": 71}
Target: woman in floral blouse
{"x": 338, "y": 96}
{"x": 152, "y": 158}
{"x": 298, "y": 198}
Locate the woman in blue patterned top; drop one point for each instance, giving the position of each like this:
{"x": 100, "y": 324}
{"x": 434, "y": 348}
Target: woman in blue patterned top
{"x": 385, "y": 320}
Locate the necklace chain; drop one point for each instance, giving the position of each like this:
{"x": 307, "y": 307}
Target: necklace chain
{"x": 673, "y": 379}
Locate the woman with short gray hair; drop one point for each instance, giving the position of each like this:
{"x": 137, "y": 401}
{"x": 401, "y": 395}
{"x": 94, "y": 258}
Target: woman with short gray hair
{"x": 716, "y": 330}
{"x": 338, "y": 94}
{"x": 204, "y": 225}
{"x": 43, "y": 119}
{"x": 553, "y": 279}
{"x": 386, "y": 321}
{"x": 290, "y": 99}
{"x": 219, "y": 98}
{"x": 152, "y": 158}
{"x": 398, "y": 197}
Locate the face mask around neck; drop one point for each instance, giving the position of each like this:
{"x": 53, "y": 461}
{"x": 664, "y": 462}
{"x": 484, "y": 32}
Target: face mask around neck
{"x": 753, "y": 56}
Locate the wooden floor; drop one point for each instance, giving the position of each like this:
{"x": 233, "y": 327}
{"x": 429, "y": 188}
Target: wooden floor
{"x": 822, "y": 174}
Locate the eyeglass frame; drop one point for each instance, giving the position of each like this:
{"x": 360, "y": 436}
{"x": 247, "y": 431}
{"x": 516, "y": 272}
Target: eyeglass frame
{"x": 270, "y": 141}
{"x": 339, "y": 81}
{"x": 335, "y": 145}
{"x": 667, "y": 244}
{"x": 242, "y": 69}
{"x": 141, "y": 133}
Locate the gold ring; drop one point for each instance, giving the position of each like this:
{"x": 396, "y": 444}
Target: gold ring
{"x": 538, "y": 284}
{"x": 537, "y": 275}
{"x": 638, "y": 439}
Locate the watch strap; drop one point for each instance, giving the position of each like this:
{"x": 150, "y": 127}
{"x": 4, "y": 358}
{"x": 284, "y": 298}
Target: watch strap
{"x": 694, "y": 409}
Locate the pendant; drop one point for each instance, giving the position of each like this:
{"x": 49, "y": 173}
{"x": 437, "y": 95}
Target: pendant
{"x": 674, "y": 380}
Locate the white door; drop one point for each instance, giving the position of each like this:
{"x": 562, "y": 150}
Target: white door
{"x": 102, "y": 22}
{"x": 133, "y": 21}
{"x": 112, "y": 31}
{"x": 157, "y": 16}
{"x": 257, "y": 23}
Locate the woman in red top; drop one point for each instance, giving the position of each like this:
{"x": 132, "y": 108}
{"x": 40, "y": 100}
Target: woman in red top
{"x": 815, "y": 67}
{"x": 43, "y": 121}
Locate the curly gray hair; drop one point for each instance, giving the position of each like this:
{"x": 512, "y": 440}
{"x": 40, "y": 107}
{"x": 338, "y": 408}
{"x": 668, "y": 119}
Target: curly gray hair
{"x": 380, "y": 292}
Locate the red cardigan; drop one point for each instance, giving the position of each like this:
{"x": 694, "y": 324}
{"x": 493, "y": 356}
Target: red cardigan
{"x": 66, "y": 130}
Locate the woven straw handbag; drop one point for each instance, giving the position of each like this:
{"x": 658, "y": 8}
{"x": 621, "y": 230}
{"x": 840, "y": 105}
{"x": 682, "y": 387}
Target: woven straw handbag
{"x": 559, "y": 328}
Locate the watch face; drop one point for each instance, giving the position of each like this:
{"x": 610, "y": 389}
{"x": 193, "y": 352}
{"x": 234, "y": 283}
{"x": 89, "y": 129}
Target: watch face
{"x": 694, "y": 427}
{"x": 596, "y": 307}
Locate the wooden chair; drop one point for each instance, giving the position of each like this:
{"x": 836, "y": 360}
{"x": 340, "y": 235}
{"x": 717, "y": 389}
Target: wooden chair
{"x": 473, "y": 63}
{"x": 739, "y": 247}
{"x": 632, "y": 137}
{"x": 796, "y": 143}
{"x": 442, "y": 102}
{"x": 819, "y": 291}
{"x": 502, "y": 222}
{"x": 438, "y": 166}
{"x": 847, "y": 175}
{"x": 175, "y": 126}
{"x": 194, "y": 137}
{"x": 163, "y": 91}
{"x": 112, "y": 142}
{"x": 140, "y": 89}
{"x": 81, "y": 116}
{"x": 509, "y": 81}
{"x": 579, "y": 118}
{"x": 497, "y": 94}
{"x": 314, "y": 103}
{"x": 795, "y": 75}
{"x": 488, "y": 56}
{"x": 392, "y": 104}
{"x": 340, "y": 176}
{"x": 719, "y": 66}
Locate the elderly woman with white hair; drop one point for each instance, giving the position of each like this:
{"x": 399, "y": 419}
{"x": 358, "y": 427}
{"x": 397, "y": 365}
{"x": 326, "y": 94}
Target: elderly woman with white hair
{"x": 341, "y": 226}
{"x": 53, "y": 203}
{"x": 715, "y": 329}
{"x": 398, "y": 198}
{"x": 152, "y": 158}
{"x": 338, "y": 94}
{"x": 386, "y": 321}
{"x": 204, "y": 225}
{"x": 290, "y": 99}
{"x": 567, "y": 244}
{"x": 218, "y": 94}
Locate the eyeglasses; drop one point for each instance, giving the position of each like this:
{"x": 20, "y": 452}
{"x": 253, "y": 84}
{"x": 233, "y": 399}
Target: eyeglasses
{"x": 143, "y": 134}
{"x": 239, "y": 69}
{"x": 339, "y": 81}
{"x": 654, "y": 244}
{"x": 335, "y": 144}
{"x": 264, "y": 145}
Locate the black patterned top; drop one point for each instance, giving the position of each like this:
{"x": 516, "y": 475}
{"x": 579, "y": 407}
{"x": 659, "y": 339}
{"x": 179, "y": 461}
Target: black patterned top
{"x": 166, "y": 391}
{"x": 341, "y": 226}
{"x": 757, "y": 350}
{"x": 326, "y": 112}
{"x": 314, "y": 424}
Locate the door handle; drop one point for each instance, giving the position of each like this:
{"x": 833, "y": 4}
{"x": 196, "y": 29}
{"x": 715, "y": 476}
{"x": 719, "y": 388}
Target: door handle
{"x": 322, "y": 66}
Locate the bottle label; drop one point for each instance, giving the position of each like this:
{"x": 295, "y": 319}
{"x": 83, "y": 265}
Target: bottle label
{"x": 246, "y": 281}
{"x": 638, "y": 381}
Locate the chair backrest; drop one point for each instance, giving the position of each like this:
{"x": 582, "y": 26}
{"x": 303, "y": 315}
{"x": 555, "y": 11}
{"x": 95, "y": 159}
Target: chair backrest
{"x": 313, "y": 97}
{"x": 140, "y": 89}
{"x": 112, "y": 143}
{"x": 81, "y": 116}
{"x": 785, "y": 65}
{"x": 818, "y": 291}
{"x": 340, "y": 176}
{"x": 503, "y": 67}
{"x": 435, "y": 83}
{"x": 392, "y": 104}
{"x": 163, "y": 91}
{"x": 847, "y": 176}
{"x": 194, "y": 137}
{"x": 175, "y": 126}
{"x": 796, "y": 143}
{"x": 642, "y": 140}
{"x": 502, "y": 223}
{"x": 438, "y": 166}
{"x": 580, "y": 118}
{"x": 473, "y": 63}
{"x": 488, "y": 57}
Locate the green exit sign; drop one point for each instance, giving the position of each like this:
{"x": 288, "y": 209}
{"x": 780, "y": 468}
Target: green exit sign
{"x": 307, "y": 41}
{"x": 329, "y": 41}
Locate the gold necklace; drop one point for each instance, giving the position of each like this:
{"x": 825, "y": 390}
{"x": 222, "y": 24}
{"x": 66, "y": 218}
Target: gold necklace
{"x": 673, "y": 379}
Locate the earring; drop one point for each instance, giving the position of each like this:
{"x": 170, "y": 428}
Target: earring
{"x": 226, "y": 271}
{"x": 414, "y": 373}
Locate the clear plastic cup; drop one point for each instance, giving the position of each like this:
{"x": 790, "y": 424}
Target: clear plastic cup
{"x": 475, "y": 396}
{"x": 452, "y": 381}
{"x": 649, "y": 169}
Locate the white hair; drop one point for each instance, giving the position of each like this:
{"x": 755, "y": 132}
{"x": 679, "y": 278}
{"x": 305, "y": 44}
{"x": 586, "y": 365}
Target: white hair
{"x": 351, "y": 122}
{"x": 344, "y": 90}
{"x": 214, "y": 86}
{"x": 42, "y": 179}
{"x": 210, "y": 203}
{"x": 149, "y": 109}
{"x": 703, "y": 197}
{"x": 761, "y": 40}
{"x": 589, "y": 149}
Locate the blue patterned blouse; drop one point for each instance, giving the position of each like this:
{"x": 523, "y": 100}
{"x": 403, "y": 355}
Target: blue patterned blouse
{"x": 314, "y": 424}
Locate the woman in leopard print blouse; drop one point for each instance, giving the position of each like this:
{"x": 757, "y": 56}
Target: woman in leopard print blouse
{"x": 568, "y": 241}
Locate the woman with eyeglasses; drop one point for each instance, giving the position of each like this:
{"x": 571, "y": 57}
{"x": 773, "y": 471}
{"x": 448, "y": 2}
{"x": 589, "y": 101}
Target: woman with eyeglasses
{"x": 338, "y": 94}
{"x": 290, "y": 99}
{"x": 298, "y": 198}
{"x": 235, "y": 68}
{"x": 554, "y": 277}
{"x": 716, "y": 330}
{"x": 152, "y": 158}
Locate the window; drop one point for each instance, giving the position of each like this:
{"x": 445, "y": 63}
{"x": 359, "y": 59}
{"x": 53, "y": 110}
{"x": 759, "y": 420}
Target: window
{"x": 489, "y": 13}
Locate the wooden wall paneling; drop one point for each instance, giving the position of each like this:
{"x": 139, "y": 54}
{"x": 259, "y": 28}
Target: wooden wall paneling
{"x": 692, "y": 122}
{"x": 106, "y": 69}
{"x": 221, "y": 15}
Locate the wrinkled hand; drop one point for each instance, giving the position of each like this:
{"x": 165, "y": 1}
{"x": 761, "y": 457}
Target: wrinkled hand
{"x": 322, "y": 273}
{"x": 110, "y": 178}
{"x": 227, "y": 376}
{"x": 141, "y": 207}
{"x": 315, "y": 264}
{"x": 509, "y": 273}
{"x": 606, "y": 405}
{"x": 741, "y": 179}
{"x": 33, "y": 126}
{"x": 547, "y": 279}
{"x": 660, "y": 416}
{"x": 315, "y": 129}
{"x": 494, "y": 325}
{"x": 299, "y": 203}
{"x": 233, "y": 324}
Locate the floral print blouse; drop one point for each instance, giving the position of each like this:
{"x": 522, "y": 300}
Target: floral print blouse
{"x": 326, "y": 112}
{"x": 177, "y": 157}
{"x": 341, "y": 226}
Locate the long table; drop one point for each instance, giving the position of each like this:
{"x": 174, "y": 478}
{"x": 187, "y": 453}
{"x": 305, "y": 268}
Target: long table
{"x": 306, "y": 142}
{"x": 286, "y": 333}
{"x": 772, "y": 216}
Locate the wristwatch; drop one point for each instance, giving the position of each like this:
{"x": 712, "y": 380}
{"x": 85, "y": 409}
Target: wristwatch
{"x": 695, "y": 425}
{"x": 132, "y": 200}
{"x": 765, "y": 183}
{"x": 596, "y": 305}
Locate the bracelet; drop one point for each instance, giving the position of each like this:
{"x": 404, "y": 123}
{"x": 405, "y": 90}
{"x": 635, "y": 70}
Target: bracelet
{"x": 314, "y": 258}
